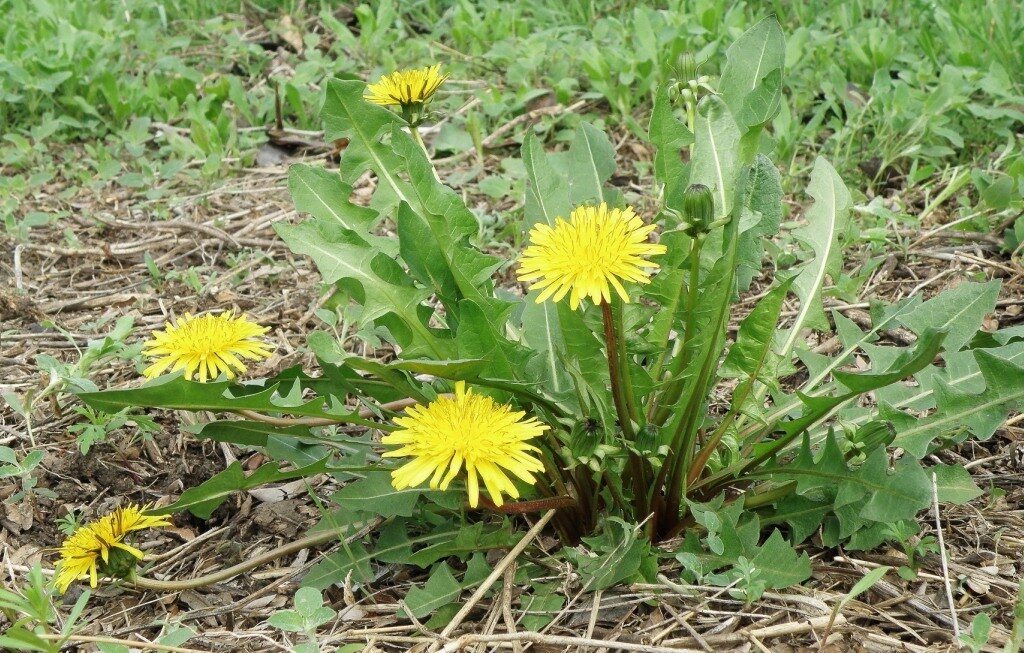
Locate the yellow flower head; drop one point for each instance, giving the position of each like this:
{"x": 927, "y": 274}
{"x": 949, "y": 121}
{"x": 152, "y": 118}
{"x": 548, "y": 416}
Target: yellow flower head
{"x": 88, "y": 550}
{"x": 406, "y": 87}
{"x": 596, "y": 250}
{"x": 467, "y": 429}
{"x": 207, "y": 345}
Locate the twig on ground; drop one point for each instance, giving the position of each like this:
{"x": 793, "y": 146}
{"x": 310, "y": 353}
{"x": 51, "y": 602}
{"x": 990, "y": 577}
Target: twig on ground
{"x": 131, "y": 643}
{"x": 493, "y": 137}
{"x": 556, "y": 640}
{"x": 496, "y": 573}
{"x": 229, "y": 573}
{"x": 507, "y": 582}
{"x": 942, "y": 557}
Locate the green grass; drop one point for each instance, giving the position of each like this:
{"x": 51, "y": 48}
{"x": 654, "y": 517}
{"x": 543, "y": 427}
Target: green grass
{"x": 916, "y": 90}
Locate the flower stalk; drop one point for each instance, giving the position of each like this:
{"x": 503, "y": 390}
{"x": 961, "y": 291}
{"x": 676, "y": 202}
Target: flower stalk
{"x": 619, "y": 383}
{"x": 295, "y": 546}
{"x": 615, "y": 373}
{"x": 662, "y": 405}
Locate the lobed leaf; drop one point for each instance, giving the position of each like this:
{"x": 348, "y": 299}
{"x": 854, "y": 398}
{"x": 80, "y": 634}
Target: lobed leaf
{"x": 959, "y": 412}
{"x": 203, "y": 499}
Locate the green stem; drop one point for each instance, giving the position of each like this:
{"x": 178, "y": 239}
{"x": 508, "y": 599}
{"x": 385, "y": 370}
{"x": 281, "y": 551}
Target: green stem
{"x": 415, "y": 133}
{"x": 757, "y": 499}
{"x": 553, "y": 471}
{"x": 660, "y": 411}
{"x": 227, "y": 574}
{"x": 705, "y": 452}
{"x": 614, "y": 491}
{"x": 623, "y": 355}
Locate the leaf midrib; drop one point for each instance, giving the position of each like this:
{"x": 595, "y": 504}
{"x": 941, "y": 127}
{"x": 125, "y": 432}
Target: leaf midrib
{"x": 368, "y": 143}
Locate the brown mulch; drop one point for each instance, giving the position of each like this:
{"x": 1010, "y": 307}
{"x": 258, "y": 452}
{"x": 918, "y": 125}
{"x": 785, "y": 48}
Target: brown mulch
{"x": 226, "y": 235}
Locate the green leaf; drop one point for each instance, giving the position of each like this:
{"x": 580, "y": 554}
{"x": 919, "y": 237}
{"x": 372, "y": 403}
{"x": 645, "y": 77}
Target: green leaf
{"x": 176, "y": 393}
{"x": 716, "y": 161}
{"x": 886, "y": 497}
{"x": 753, "y": 346}
{"x": 853, "y": 338}
{"x": 893, "y": 495}
{"x": 591, "y": 162}
{"x": 617, "y": 555}
{"x": 779, "y": 564}
{"x": 467, "y": 540}
{"x": 246, "y": 433}
{"x": 324, "y": 195}
{"x": 424, "y": 256}
{"x": 336, "y": 567}
{"x": 287, "y": 620}
{"x": 18, "y": 638}
{"x": 667, "y": 288}
{"x": 751, "y": 82}
{"x": 764, "y": 200}
{"x": 547, "y": 193}
{"x": 375, "y": 494}
{"x": 955, "y": 484}
{"x": 542, "y": 332}
{"x": 203, "y": 499}
{"x": 540, "y": 606}
{"x": 977, "y": 413}
{"x": 585, "y": 360}
{"x": 384, "y": 287}
{"x": 802, "y": 515}
{"x": 907, "y": 363}
{"x": 347, "y": 115}
{"x": 669, "y": 136}
{"x": 477, "y": 338}
{"x": 858, "y": 588}
{"x": 731, "y": 533}
{"x": 444, "y": 229}
{"x": 826, "y": 223}
{"x": 960, "y": 374}
{"x": 176, "y": 635}
{"x": 547, "y": 198}
{"x": 960, "y": 311}
{"x": 396, "y": 546}
{"x": 309, "y": 603}
{"x": 440, "y": 589}
{"x": 705, "y": 347}
{"x": 442, "y": 616}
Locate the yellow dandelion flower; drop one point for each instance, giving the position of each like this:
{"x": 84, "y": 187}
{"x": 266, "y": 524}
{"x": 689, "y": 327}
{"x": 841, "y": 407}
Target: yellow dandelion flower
{"x": 596, "y": 250}
{"x": 207, "y": 345}
{"x": 406, "y": 87}
{"x": 90, "y": 549}
{"x": 466, "y": 429}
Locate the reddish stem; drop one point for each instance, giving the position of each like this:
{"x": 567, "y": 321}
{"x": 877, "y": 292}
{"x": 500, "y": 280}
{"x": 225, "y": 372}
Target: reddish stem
{"x": 533, "y": 505}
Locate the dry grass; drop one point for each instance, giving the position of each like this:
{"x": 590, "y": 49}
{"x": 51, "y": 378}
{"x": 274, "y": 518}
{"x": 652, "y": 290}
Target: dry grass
{"x": 227, "y": 233}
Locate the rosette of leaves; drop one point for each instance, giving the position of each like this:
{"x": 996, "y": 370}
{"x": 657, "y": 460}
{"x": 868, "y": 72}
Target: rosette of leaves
{"x": 746, "y": 442}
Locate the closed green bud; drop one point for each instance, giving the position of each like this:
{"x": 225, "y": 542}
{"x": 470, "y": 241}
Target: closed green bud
{"x": 699, "y": 207}
{"x": 119, "y": 563}
{"x": 874, "y": 434}
{"x": 647, "y": 439}
{"x": 686, "y": 67}
{"x": 584, "y": 438}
